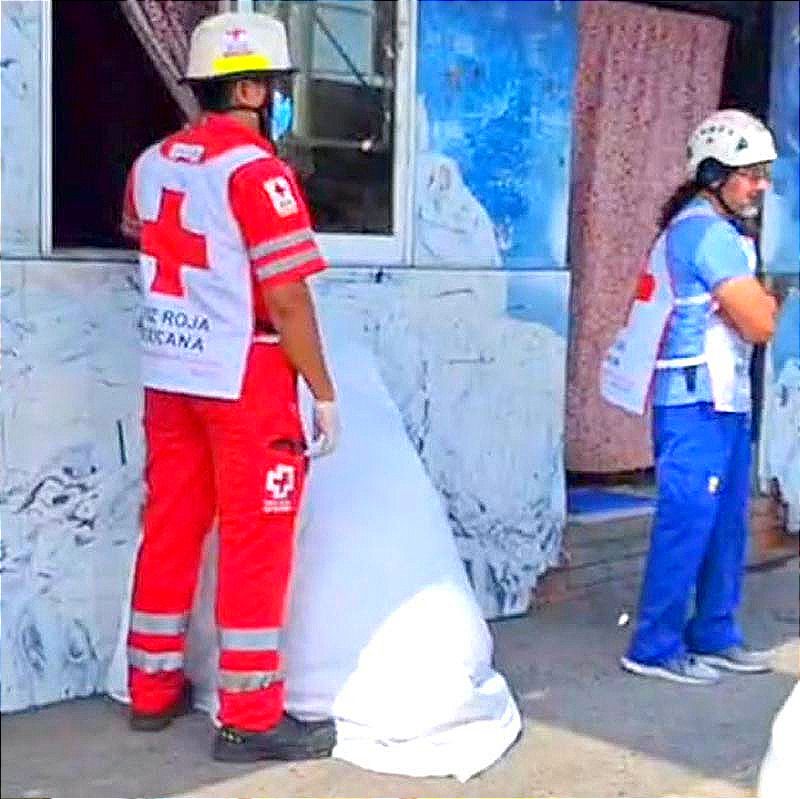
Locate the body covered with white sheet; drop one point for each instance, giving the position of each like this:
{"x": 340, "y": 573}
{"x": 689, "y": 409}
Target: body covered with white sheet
{"x": 384, "y": 631}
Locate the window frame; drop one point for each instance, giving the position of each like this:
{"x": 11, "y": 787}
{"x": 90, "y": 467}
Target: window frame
{"x": 340, "y": 249}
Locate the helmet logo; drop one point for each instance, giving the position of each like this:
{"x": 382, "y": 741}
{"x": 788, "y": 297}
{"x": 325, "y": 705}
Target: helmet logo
{"x": 742, "y": 144}
{"x": 236, "y": 42}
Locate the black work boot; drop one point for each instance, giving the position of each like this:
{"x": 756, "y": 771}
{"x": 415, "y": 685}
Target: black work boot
{"x": 290, "y": 740}
{"x": 153, "y": 722}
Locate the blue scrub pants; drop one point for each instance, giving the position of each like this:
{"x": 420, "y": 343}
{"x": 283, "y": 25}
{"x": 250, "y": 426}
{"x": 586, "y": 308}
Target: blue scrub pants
{"x": 699, "y": 533}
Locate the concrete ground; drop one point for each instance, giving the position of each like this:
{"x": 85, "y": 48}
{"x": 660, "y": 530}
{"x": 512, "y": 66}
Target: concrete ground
{"x": 590, "y": 729}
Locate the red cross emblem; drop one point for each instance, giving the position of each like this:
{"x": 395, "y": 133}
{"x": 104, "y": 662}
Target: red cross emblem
{"x": 280, "y": 481}
{"x": 173, "y": 247}
{"x": 645, "y": 287}
{"x": 281, "y": 195}
{"x": 236, "y": 42}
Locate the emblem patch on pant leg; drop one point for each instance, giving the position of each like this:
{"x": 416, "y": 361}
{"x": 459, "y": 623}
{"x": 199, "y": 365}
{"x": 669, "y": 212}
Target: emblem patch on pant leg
{"x": 279, "y": 489}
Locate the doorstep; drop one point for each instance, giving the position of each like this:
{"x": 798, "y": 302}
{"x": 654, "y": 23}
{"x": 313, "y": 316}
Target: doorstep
{"x": 594, "y": 555}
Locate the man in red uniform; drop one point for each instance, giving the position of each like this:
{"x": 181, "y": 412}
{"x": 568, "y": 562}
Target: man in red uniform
{"x": 226, "y": 325}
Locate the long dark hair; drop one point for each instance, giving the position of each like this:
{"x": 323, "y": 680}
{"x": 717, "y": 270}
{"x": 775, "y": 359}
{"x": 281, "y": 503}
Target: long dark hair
{"x": 677, "y": 202}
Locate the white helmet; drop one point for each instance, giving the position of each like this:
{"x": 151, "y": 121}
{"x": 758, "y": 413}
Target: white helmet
{"x": 237, "y": 44}
{"x": 734, "y": 138}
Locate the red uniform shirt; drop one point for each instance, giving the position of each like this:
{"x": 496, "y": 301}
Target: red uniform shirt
{"x": 265, "y": 201}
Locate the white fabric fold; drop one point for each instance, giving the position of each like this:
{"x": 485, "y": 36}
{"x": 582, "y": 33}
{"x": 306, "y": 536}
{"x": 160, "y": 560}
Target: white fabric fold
{"x": 384, "y": 632}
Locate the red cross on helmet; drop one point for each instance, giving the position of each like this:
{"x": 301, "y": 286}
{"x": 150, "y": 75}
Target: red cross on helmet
{"x": 233, "y": 45}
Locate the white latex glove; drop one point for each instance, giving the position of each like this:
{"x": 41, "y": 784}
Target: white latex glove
{"x": 326, "y": 429}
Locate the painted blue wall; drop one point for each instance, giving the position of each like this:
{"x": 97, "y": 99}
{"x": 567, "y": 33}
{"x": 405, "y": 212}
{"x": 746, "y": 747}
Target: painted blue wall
{"x": 779, "y": 448}
{"x": 495, "y": 80}
{"x": 781, "y": 237}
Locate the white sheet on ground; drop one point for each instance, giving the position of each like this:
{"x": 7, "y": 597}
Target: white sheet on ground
{"x": 779, "y": 775}
{"x": 384, "y": 632}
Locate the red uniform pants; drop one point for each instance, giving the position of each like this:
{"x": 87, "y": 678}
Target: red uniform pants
{"x": 242, "y": 462}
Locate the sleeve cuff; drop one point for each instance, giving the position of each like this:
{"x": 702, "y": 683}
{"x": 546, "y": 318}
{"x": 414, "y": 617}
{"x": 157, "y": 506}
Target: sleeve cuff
{"x": 295, "y": 275}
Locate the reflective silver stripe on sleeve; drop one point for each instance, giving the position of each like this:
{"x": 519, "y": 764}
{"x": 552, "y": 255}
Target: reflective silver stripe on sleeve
{"x": 159, "y": 623}
{"x": 287, "y": 264}
{"x": 258, "y": 640}
{"x": 240, "y": 681}
{"x": 282, "y": 243}
{"x": 153, "y": 662}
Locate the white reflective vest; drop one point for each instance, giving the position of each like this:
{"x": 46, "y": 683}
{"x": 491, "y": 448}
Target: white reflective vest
{"x": 629, "y": 365}
{"x": 196, "y": 320}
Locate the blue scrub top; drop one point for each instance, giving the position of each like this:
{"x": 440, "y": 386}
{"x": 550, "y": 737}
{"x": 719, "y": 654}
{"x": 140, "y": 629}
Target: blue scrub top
{"x": 702, "y": 251}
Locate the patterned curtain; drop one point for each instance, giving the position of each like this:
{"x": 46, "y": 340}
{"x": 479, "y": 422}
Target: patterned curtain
{"x": 646, "y": 77}
{"x": 164, "y": 28}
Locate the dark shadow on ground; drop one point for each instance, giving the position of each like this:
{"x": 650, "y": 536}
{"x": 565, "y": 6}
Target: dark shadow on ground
{"x": 563, "y": 665}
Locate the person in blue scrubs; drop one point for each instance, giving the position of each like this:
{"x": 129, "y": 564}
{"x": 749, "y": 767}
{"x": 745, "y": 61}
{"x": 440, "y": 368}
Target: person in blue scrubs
{"x": 701, "y": 414}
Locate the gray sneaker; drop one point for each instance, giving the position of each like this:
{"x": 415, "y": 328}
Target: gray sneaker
{"x": 686, "y": 669}
{"x": 739, "y": 659}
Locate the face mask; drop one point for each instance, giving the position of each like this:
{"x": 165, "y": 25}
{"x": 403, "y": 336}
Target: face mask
{"x": 280, "y": 116}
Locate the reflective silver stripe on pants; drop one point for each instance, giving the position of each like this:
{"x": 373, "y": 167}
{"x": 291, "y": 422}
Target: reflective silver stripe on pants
{"x": 255, "y": 640}
{"x": 287, "y": 264}
{"x": 241, "y": 681}
{"x": 282, "y": 243}
{"x": 159, "y": 623}
{"x": 152, "y": 662}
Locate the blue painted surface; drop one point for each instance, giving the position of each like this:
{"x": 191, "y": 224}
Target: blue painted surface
{"x": 781, "y": 236}
{"x": 541, "y": 297}
{"x": 786, "y": 342}
{"x": 496, "y": 79}
{"x": 588, "y": 503}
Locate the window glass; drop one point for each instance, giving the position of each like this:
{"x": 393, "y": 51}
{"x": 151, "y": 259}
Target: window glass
{"x": 110, "y": 100}
{"x": 341, "y": 140}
